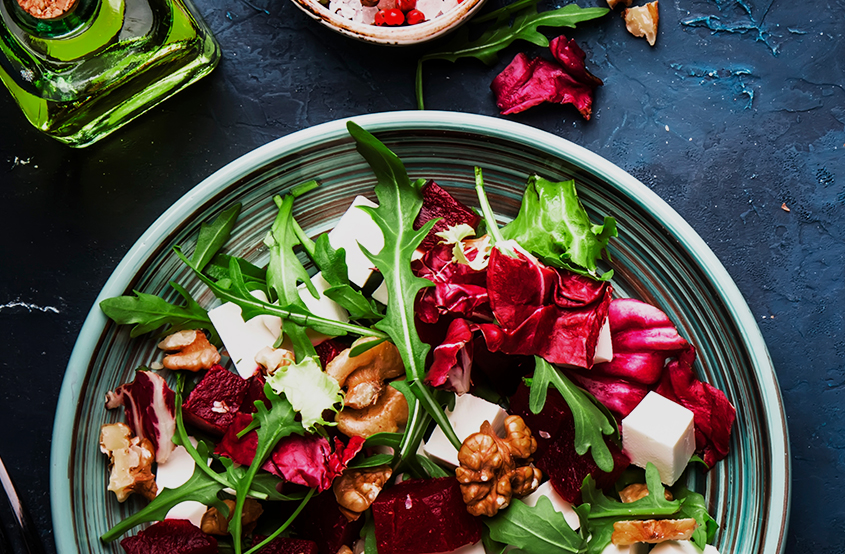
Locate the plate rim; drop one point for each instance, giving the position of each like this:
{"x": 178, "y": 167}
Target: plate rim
{"x": 649, "y": 201}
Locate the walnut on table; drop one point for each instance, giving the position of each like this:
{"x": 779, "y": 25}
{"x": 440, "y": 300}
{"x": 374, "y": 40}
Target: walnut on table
{"x": 493, "y": 469}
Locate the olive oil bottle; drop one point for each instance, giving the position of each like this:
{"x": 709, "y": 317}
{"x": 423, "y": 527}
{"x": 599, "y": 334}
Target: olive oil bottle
{"x": 79, "y": 69}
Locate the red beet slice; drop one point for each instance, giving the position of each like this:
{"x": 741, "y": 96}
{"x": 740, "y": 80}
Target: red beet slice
{"x": 286, "y": 545}
{"x": 554, "y": 428}
{"x": 254, "y": 392}
{"x": 439, "y": 203}
{"x": 171, "y": 536}
{"x": 215, "y": 401}
{"x": 423, "y": 515}
{"x": 322, "y": 522}
{"x": 328, "y": 349}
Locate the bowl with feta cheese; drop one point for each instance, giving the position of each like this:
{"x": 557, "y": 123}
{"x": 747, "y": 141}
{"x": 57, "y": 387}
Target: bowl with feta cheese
{"x": 391, "y": 22}
{"x": 668, "y": 309}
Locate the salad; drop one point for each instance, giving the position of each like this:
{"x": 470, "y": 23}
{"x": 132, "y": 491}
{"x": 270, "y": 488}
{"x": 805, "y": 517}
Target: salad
{"x": 441, "y": 384}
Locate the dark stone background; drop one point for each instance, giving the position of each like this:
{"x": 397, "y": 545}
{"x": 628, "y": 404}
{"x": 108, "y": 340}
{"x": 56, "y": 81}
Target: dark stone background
{"x": 738, "y": 109}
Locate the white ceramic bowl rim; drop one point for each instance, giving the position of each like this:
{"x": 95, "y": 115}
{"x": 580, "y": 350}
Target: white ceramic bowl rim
{"x": 680, "y": 230}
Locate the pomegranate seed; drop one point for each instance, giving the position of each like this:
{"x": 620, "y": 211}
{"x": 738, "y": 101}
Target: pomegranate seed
{"x": 379, "y": 18}
{"x": 407, "y": 5}
{"x": 394, "y": 17}
{"x": 415, "y": 16}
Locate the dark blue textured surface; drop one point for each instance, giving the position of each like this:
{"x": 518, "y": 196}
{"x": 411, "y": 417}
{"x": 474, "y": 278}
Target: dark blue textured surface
{"x": 737, "y": 111}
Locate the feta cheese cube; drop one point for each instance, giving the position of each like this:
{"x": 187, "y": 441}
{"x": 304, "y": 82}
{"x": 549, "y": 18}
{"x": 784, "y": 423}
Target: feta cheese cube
{"x": 661, "y": 432}
{"x": 558, "y": 503}
{"x": 190, "y": 510}
{"x": 322, "y": 306}
{"x": 174, "y": 473}
{"x": 637, "y": 548}
{"x": 469, "y": 413}
{"x": 604, "y": 348}
{"x": 357, "y": 227}
{"x": 242, "y": 340}
{"x": 682, "y": 547}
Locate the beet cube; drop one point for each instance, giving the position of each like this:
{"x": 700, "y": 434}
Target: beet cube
{"x": 254, "y": 391}
{"x": 213, "y": 403}
{"x": 286, "y": 545}
{"x": 322, "y": 522}
{"x": 439, "y": 203}
{"x": 554, "y": 428}
{"x": 171, "y": 536}
{"x": 423, "y": 515}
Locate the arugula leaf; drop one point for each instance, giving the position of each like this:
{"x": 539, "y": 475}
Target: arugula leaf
{"x": 213, "y": 236}
{"x": 400, "y": 201}
{"x": 694, "y": 506}
{"x": 149, "y": 312}
{"x": 309, "y": 390}
{"x": 368, "y": 533}
{"x": 200, "y": 487}
{"x": 283, "y": 526}
{"x": 218, "y": 269}
{"x": 537, "y": 530}
{"x": 238, "y": 293}
{"x": 553, "y": 224}
{"x": 501, "y": 34}
{"x": 372, "y": 461}
{"x": 274, "y": 424}
{"x": 332, "y": 264}
{"x": 432, "y": 469}
{"x": 591, "y": 423}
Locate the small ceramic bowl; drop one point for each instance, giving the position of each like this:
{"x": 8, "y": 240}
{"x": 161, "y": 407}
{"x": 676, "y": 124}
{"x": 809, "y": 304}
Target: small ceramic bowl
{"x": 393, "y": 36}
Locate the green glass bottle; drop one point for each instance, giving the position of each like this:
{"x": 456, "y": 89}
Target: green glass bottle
{"x": 100, "y": 63}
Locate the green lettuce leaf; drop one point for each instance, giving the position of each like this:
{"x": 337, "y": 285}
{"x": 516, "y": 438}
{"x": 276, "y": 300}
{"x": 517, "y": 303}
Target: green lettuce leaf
{"x": 554, "y": 226}
{"x": 309, "y": 390}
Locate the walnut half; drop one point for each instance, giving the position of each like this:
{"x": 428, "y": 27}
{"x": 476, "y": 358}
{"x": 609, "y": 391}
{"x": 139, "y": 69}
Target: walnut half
{"x": 493, "y": 469}
{"x": 130, "y": 461}
{"x": 357, "y": 489}
{"x": 652, "y": 531}
{"x": 190, "y": 350}
{"x": 641, "y": 21}
{"x": 214, "y": 523}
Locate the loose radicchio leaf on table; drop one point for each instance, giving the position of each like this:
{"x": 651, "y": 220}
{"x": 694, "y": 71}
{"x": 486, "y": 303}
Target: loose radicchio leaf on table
{"x": 150, "y": 410}
{"x": 528, "y": 82}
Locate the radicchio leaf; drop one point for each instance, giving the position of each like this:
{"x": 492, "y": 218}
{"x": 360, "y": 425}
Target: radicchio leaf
{"x": 541, "y": 311}
{"x": 150, "y": 410}
{"x": 453, "y": 359}
{"x": 528, "y": 82}
{"x": 437, "y": 203}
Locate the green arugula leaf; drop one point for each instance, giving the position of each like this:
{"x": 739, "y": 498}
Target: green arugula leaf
{"x": 213, "y": 236}
{"x": 238, "y": 293}
{"x": 393, "y": 440}
{"x": 274, "y": 424}
{"x": 283, "y": 526}
{"x": 372, "y": 461}
{"x": 200, "y": 487}
{"x": 501, "y": 34}
{"x": 432, "y": 469}
{"x": 332, "y": 264}
{"x": 400, "y": 201}
{"x": 368, "y": 533}
{"x": 537, "y": 530}
{"x": 491, "y": 546}
{"x": 694, "y": 506}
{"x": 591, "y": 423}
{"x": 553, "y": 224}
{"x": 218, "y": 269}
{"x": 309, "y": 390}
{"x": 148, "y": 312}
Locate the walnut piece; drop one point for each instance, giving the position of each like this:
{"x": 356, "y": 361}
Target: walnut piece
{"x": 493, "y": 469}
{"x": 192, "y": 351}
{"x": 635, "y": 491}
{"x": 130, "y": 462}
{"x": 641, "y": 21}
{"x": 357, "y": 489}
{"x": 213, "y": 522}
{"x": 344, "y": 550}
{"x": 614, "y": 3}
{"x": 385, "y": 416}
{"x": 365, "y": 375}
{"x": 272, "y": 359}
{"x": 652, "y": 531}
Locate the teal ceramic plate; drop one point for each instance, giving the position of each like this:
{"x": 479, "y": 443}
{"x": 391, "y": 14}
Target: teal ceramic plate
{"x": 657, "y": 258}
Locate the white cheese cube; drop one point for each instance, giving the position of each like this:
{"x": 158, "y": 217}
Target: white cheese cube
{"x": 682, "y": 547}
{"x": 637, "y": 548}
{"x": 242, "y": 340}
{"x": 604, "y": 348}
{"x": 357, "y": 227}
{"x": 469, "y": 413}
{"x": 174, "y": 473}
{"x": 322, "y": 306}
{"x": 661, "y": 432}
{"x": 558, "y": 503}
